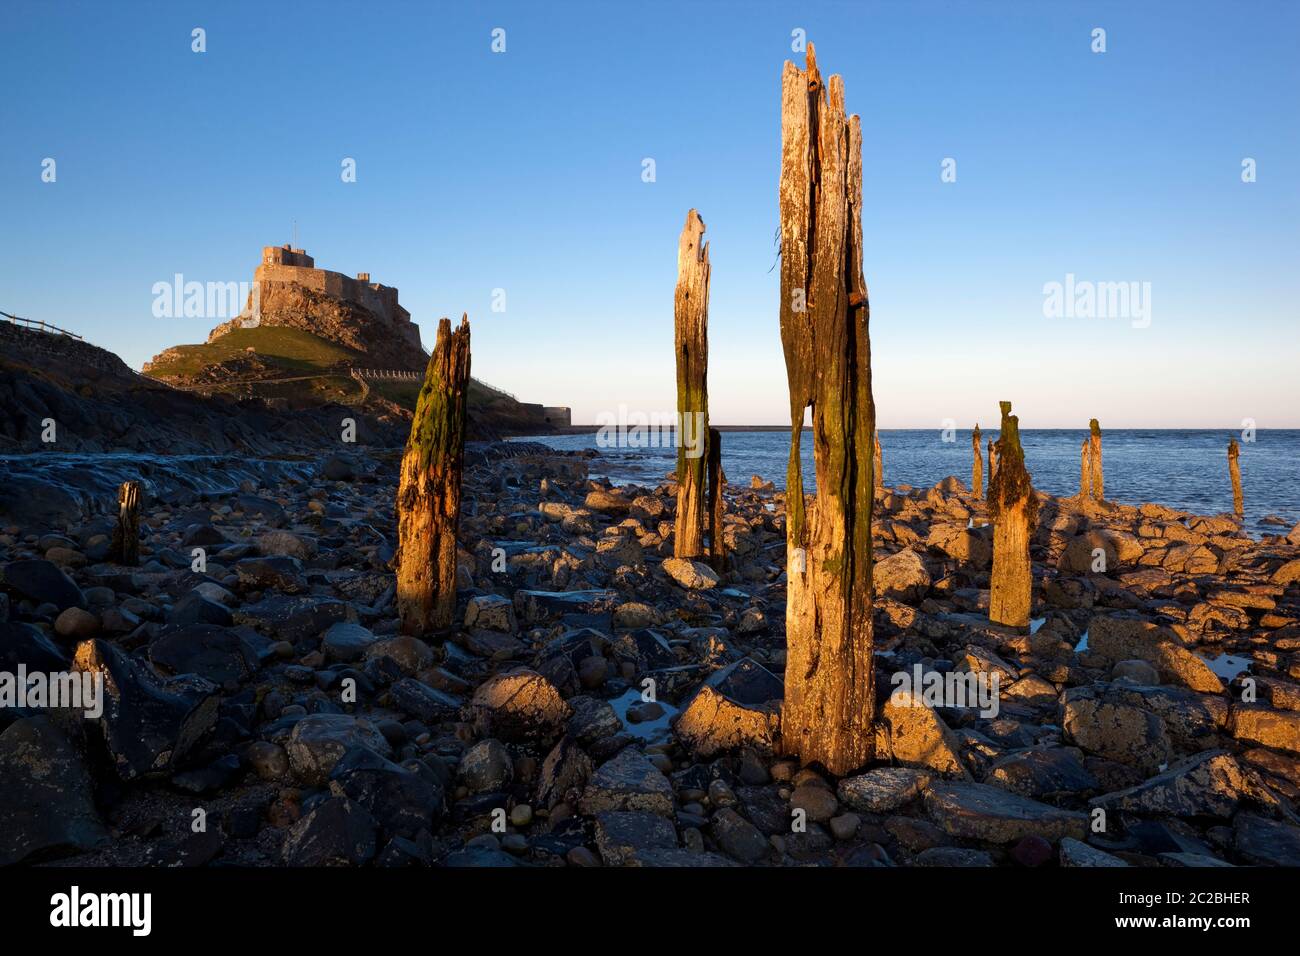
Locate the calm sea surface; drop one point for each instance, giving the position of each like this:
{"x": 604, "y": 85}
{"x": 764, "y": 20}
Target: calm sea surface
{"x": 1186, "y": 469}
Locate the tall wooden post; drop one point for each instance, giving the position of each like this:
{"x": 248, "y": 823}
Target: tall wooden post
{"x": 1085, "y": 469}
{"x": 977, "y": 464}
{"x": 1013, "y": 508}
{"x": 428, "y": 492}
{"x": 1234, "y": 472}
{"x": 1098, "y": 484}
{"x": 717, "y": 504}
{"x": 126, "y": 534}
{"x": 828, "y": 716}
{"x": 691, "y": 337}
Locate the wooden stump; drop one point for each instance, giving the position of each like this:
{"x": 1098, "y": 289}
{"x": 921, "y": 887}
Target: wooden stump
{"x": 993, "y": 460}
{"x": 1097, "y": 483}
{"x": 829, "y": 708}
{"x": 691, "y": 337}
{"x": 126, "y": 534}
{"x": 977, "y": 464}
{"x": 1234, "y": 472}
{"x": 428, "y": 493}
{"x": 1013, "y": 508}
{"x": 717, "y": 504}
{"x": 1085, "y": 469}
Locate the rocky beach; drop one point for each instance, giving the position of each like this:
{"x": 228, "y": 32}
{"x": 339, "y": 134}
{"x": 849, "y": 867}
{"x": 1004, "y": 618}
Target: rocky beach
{"x": 598, "y": 702}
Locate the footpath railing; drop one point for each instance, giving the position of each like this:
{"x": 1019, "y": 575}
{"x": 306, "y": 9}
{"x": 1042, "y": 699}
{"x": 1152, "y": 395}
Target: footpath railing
{"x": 39, "y": 326}
{"x": 386, "y": 373}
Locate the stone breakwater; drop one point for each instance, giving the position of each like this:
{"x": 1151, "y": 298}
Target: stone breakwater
{"x": 601, "y": 703}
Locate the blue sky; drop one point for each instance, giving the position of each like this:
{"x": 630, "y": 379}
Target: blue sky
{"x": 523, "y": 171}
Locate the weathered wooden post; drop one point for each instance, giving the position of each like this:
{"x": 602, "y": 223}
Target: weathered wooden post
{"x": 1013, "y": 509}
{"x": 717, "y": 504}
{"x": 828, "y": 716}
{"x": 877, "y": 463}
{"x": 993, "y": 460}
{"x": 428, "y": 492}
{"x": 1234, "y": 471}
{"x": 126, "y": 534}
{"x": 691, "y": 337}
{"x": 977, "y": 464}
{"x": 1098, "y": 484}
{"x": 1085, "y": 469}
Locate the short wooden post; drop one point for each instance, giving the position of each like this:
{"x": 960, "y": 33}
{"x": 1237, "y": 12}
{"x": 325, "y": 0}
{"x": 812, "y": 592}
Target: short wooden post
{"x": 428, "y": 492}
{"x": 126, "y": 535}
{"x": 977, "y": 464}
{"x": 1098, "y": 483}
{"x": 1013, "y": 510}
{"x": 1234, "y": 472}
{"x": 717, "y": 504}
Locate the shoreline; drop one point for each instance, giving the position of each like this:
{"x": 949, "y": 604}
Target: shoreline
{"x": 1117, "y": 698}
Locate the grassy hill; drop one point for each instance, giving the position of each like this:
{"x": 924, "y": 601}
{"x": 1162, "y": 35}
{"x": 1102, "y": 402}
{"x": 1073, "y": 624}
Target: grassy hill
{"x": 280, "y": 362}
{"x": 291, "y": 349}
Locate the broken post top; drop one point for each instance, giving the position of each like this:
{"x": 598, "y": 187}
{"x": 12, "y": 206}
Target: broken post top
{"x": 1011, "y": 483}
{"x": 689, "y": 249}
{"x": 1234, "y": 450}
{"x": 975, "y": 435}
{"x": 446, "y": 378}
{"x": 1094, "y": 428}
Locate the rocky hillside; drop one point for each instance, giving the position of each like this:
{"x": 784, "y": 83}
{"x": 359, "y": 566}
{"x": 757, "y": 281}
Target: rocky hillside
{"x": 97, "y": 404}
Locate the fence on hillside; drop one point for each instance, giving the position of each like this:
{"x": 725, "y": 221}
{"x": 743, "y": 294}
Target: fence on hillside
{"x": 39, "y": 326}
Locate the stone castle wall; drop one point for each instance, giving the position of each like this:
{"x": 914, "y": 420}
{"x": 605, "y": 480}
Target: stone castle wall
{"x": 282, "y": 265}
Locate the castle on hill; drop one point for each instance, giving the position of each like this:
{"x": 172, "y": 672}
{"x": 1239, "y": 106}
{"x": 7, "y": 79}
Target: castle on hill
{"x": 282, "y": 264}
{"x": 288, "y": 290}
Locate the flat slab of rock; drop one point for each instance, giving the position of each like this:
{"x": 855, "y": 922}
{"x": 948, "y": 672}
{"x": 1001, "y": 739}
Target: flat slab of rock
{"x": 1259, "y": 724}
{"x": 628, "y": 781}
{"x": 1212, "y": 784}
{"x": 491, "y": 612}
{"x": 622, "y": 835}
{"x": 1043, "y": 773}
{"x": 977, "y": 811}
{"x": 423, "y": 702}
{"x": 294, "y": 618}
{"x": 884, "y": 789}
{"x": 1266, "y": 842}
{"x": 541, "y": 606}
{"x": 46, "y": 797}
{"x": 41, "y": 582}
{"x": 692, "y": 575}
{"x": 1116, "y": 639}
{"x": 1117, "y": 731}
{"x": 1077, "y": 853}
